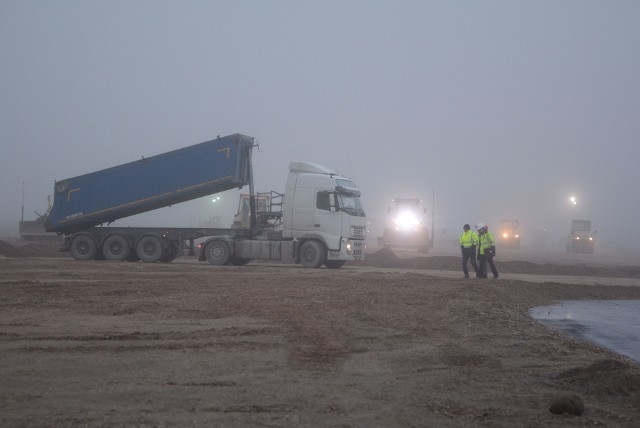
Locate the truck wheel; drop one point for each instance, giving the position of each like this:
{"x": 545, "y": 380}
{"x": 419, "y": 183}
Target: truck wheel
{"x": 116, "y": 247}
{"x": 170, "y": 253}
{"x": 217, "y": 253}
{"x": 150, "y": 249}
{"x": 83, "y": 247}
{"x": 334, "y": 264}
{"x": 312, "y": 254}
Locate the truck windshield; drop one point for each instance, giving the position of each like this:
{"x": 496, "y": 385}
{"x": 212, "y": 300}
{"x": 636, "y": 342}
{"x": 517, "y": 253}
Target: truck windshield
{"x": 351, "y": 205}
{"x": 345, "y": 183}
{"x": 581, "y": 226}
{"x": 349, "y": 197}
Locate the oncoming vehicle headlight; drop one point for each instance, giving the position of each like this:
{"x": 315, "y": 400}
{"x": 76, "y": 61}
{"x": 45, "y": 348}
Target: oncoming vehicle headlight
{"x": 406, "y": 221}
{"x": 505, "y": 235}
{"x": 348, "y": 248}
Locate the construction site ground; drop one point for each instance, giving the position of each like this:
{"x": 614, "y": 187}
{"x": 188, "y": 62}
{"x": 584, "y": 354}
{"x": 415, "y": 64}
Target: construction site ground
{"x": 400, "y": 339}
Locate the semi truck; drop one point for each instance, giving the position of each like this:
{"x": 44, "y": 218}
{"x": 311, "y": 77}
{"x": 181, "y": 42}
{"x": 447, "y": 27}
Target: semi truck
{"x": 320, "y": 222}
{"x": 33, "y": 230}
{"x": 581, "y": 239}
{"x": 509, "y": 234}
{"x": 405, "y": 226}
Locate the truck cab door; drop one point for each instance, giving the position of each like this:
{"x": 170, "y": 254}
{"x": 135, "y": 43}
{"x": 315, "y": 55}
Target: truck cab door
{"x": 327, "y": 220}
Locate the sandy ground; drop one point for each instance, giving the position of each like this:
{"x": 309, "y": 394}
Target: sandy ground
{"x": 372, "y": 344}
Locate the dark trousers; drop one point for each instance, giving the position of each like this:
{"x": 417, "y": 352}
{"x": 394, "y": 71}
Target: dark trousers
{"x": 483, "y": 266}
{"x": 469, "y": 254}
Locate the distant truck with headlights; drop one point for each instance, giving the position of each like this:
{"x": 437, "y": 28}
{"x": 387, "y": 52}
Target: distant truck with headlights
{"x": 581, "y": 239}
{"x": 509, "y": 234}
{"x": 320, "y": 222}
{"x": 406, "y": 226}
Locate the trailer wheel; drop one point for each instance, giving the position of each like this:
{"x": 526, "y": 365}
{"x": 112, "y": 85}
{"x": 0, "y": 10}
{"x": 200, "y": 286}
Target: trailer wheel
{"x": 116, "y": 247}
{"x": 312, "y": 254}
{"x": 334, "y": 264}
{"x": 150, "y": 249}
{"x": 170, "y": 253}
{"x": 217, "y": 253}
{"x": 83, "y": 247}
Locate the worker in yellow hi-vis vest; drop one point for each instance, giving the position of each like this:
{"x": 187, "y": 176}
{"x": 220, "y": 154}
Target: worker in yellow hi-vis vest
{"x": 468, "y": 245}
{"x": 486, "y": 251}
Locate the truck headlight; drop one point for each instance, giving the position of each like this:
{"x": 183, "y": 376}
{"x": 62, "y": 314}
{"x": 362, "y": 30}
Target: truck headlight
{"x": 406, "y": 221}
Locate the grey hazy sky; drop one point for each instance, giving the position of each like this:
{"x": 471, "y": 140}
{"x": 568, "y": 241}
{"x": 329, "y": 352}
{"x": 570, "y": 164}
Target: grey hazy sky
{"x": 502, "y": 108}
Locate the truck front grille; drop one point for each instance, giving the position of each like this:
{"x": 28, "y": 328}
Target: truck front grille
{"x": 358, "y": 231}
{"x": 357, "y": 249}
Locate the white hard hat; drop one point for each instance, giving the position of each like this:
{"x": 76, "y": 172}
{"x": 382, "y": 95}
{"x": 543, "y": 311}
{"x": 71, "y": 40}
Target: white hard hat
{"x": 480, "y": 226}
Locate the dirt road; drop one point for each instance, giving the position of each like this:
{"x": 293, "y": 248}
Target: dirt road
{"x": 188, "y": 344}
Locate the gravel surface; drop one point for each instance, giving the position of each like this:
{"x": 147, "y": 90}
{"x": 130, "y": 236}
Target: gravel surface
{"x": 189, "y": 344}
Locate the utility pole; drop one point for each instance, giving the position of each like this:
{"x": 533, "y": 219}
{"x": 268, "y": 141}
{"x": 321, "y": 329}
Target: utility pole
{"x": 22, "y": 215}
{"x": 433, "y": 210}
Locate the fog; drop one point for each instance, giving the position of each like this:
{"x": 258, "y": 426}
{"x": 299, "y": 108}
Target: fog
{"x": 486, "y": 110}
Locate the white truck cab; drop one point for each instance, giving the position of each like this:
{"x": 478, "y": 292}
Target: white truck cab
{"x": 320, "y": 204}
{"x": 322, "y": 223}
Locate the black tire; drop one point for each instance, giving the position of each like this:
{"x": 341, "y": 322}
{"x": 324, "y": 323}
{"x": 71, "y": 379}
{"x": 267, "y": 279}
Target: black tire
{"x": 217, "y": 252}
{"x": 116, "y": 247}
{"x": 83, "y": 247}
{"x": 312, "y": 254}
{"x": 334, "y": 264}
{"x": 238, "y": 261}
{"x": 150, "y": 249}
{"x": 170, "y": 252}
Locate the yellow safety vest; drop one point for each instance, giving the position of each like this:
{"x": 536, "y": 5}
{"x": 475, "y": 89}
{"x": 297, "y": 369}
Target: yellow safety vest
{"x": 486, "y": 241}
{"x": 468, "y": 239}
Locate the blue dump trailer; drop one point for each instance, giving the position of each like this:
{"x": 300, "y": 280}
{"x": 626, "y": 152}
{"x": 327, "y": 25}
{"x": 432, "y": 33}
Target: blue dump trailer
{"x": 150, "y": 183}
{"x": 81, "y": 203}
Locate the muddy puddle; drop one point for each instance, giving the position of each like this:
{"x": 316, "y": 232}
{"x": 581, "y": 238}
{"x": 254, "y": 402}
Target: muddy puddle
{"x": 613, "y": 324}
